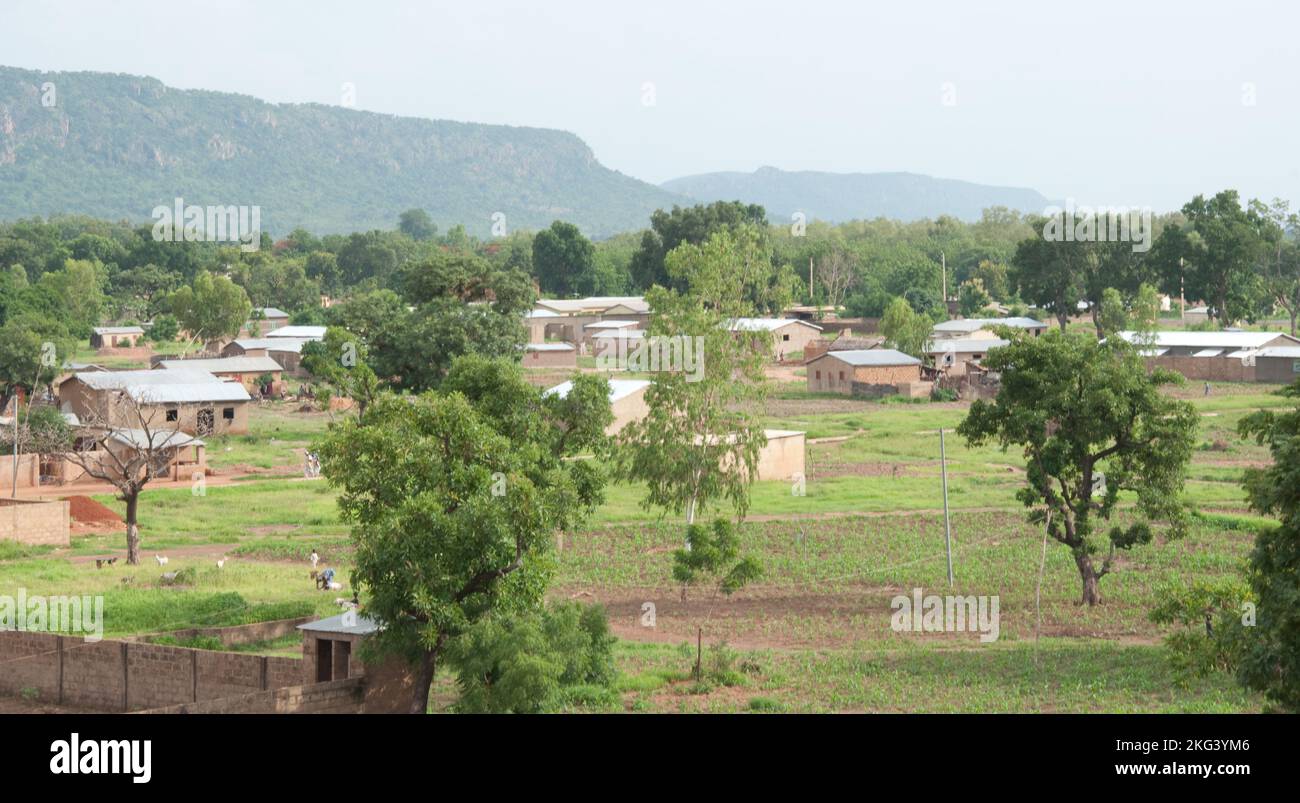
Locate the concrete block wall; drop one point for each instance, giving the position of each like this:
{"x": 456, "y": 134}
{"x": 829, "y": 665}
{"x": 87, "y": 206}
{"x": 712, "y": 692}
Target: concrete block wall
{"x": 31, "y": 522}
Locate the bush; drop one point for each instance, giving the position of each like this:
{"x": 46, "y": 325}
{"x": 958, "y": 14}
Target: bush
{"x": 535, "y": 662}
{"x": 164, "y": 329}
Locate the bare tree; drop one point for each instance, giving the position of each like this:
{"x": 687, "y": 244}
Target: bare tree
{"x": 119, "y": 444}
{"x": 837, "y": 275}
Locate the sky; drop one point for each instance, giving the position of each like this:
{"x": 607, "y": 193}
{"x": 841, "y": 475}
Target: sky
{"x": 1105, "y": 103}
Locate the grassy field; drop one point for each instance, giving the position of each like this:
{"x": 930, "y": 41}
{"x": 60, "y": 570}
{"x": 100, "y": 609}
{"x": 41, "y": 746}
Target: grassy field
{"x": 813, "y": 634}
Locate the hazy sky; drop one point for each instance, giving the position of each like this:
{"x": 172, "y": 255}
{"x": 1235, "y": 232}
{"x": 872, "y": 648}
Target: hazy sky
{"x": 1104, "y": 102}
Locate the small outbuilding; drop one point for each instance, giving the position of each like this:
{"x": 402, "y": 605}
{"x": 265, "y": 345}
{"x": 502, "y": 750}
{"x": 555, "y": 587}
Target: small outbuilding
{"x": 789, "y": 335}
{"x": 115, "y": 337}
{"x": 626, "y": 400}
{"x": 550, "y": 355}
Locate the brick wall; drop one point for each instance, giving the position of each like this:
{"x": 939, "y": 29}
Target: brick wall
{"x": 242, "y": 634}
{"x": 335, "y": 697}
{"x": 1207, "y": 369}
{"x": 31, "y": 522}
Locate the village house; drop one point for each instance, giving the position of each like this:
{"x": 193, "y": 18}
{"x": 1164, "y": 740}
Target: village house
{"x": 264, "y": 319}
{"x": 592, "y": 329}
{"x": 982, "y": 328}
{"x": 185, "y": 455}
{"x": 550, "y": 355}
{"x": 299, "y": 332}
{"x": 115, "y": 337}
{"x": 789, "y": 335}
{"x": 626, "y": 400}
{"x": 286, "y": 351}
{"x": 190, "y": 400}
{"x": 248, "y": 371}
{"x": 867, "y": 372}
{"x": 565, "y": 318}
{"x": 953, "y": 355}
{"x": 1219, "y": 356}
{"x": 1279, "y": 364}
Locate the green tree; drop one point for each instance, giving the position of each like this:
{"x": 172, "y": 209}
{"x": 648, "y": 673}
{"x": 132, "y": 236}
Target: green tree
{"x": 694, "y": 225}
{"x": 564, "y": 260}
{"x": 339, "y": 360}
{"x": 1092, "y": 423}
{"x": 698, "y": 442}
{"x": 416, "y": 224}
{"x": 972, "y": 298}
{"x": 454, "y": 498}
{"x": 212, "y": 308}
{"x": 1270, "y": 660}
{"x": 905, "y": 329}
{"x": 1217, "y": 255}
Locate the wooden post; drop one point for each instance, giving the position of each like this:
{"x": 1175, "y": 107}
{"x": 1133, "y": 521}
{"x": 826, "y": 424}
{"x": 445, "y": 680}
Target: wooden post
{"x": 947, "y": 521}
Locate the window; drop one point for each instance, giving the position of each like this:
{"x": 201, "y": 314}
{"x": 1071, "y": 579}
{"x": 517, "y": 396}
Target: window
{"x": 1295, "y": 367}
{"x": 819, "y": 373}
{"x": 228, "y": 413}
{"x": 841, "y": 376}
{"x": 785, "y": 338}
{"x": 171, "y": 415}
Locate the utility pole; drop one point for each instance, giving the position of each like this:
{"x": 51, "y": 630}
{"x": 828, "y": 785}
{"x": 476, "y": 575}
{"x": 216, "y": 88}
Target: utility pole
{"x": 947, "y": 521}
{"x": 811, "y": 298}
{"x": 943, "y": 260}
{"x": 1182, "y": 296}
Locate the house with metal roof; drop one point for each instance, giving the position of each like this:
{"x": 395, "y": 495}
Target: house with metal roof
{"x": 115, "y": 337}
{"x": 982, "y": 328}
{"x": 626, "y": 400}
{"x": 879, "y": 369}
{"x": 955, "y": 355}
{"x": 789, "y": 335}
{"x": 264, "y": 319}
{"x": 1182, "y": 343}
{"x": 248, "y": 371}
{"x": 302, "y": 332}
{"x": 186, "y": 399}
{"x": 550, "y": 355}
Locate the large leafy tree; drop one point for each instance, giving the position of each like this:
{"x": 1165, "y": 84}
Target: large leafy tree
{"x": 694, "y": 225}
{"x": 564, "y": 260}
{"x": 454, "y": 497}
{"x": 1270, "y": 662}
{"x": 1216, "y": 256}
{"x": 1092, "y": 424}
{"x": 213, "y": 307}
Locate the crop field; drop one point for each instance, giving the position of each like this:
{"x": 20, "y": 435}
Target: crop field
{"x": 812, "y": 634}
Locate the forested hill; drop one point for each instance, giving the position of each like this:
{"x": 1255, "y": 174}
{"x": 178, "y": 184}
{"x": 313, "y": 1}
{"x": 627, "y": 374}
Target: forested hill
{"x": 838, "y": 197}
{"x": 117, "y": 146}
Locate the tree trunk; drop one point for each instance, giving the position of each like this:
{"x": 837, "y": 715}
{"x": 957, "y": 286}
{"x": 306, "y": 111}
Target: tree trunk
{"x": 423, "y": 682}
{"x": 1088, "y": 574}
{"x": 1063, "y": 318}
{"x": 132, "y": 531}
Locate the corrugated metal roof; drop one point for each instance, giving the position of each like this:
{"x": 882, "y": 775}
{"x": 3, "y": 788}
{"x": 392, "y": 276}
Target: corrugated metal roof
{"x": 1285, "y": 352}
{"x": 308, "y": 332}
{"x": 226, "y": 365}
{"x": 272, "y": 312}
{"x": 620, "y": 334}
{"x": 118, "y": 330}
{"x": 966, "y": 345}
{"x": 351, "y": 623}
{"x": 618, "y": 388}
{"x": 596, "y": 303}
{"x": 975, "y": 324}
{"x": 770, "y": 324}
{"x": 166, "y": 385}
{"x": 611, "y": 325}
{"x": 871, "y": 357}
{"x": 293, "y": 344}
{"x": 548, "y": 347}
{"x": 138, "y": 438}
{"x": 1209, "y": 340}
